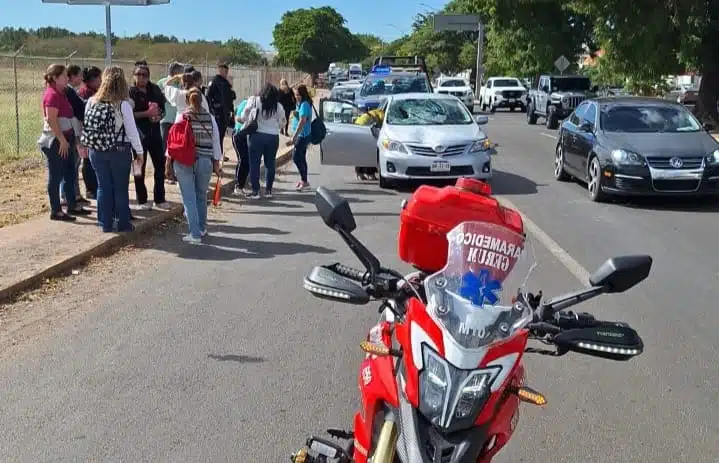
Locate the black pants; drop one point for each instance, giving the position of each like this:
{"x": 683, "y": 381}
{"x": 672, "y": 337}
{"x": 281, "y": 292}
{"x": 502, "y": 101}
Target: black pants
{"x": 89, "y": 178}
{"x": 153, "y": 146}
{"x": 222, "y": 128}
{"x": 165, "y": 130}
{"x": 243, "y": 159}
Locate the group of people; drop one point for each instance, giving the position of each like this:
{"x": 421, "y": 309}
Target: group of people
{"x": 82, "y": 106}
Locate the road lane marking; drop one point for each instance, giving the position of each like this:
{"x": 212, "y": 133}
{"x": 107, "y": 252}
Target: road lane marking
{"x": 553, "y": 137}
{"x": 574, "y": 267}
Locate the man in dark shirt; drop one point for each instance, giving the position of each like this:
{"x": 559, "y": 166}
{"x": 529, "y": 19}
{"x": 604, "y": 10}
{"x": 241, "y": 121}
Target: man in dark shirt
{"x": 221, "y": 99}
{"x": 149, "y": 107}
{"x": 74, "y": 76}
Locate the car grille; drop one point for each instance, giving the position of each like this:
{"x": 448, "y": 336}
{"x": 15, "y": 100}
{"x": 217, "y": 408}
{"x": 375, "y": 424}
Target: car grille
{"x": 425, "y": 172}
{"x": 573, "y": 101}
{"x": 427, "y": 151}
{"x": 676, "y": 185}
{"x": 694, "y": 162}
{"x": 512, "y": 94}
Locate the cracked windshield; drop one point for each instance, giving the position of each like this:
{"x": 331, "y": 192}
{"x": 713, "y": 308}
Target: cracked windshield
{"x": 428, "y": 112}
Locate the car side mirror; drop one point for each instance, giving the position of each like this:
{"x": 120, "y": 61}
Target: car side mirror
{"x": 613, "y": 341}
{"x": 586, "y": 127}
{"x": 334, "y": 210}
{"x": 708, "y": 126}
{"x": 326, "y": 284}
{"x": 481, "y": 120}
{"x": 618, "y": 274}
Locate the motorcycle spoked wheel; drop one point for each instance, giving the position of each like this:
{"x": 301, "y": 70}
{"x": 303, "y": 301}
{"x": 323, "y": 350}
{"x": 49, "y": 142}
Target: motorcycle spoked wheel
{"x": 386, "y": 447}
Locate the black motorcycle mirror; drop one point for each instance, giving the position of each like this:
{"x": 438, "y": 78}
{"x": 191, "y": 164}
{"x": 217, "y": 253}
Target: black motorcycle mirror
{"x": 616, "y": 275}
{"x": 337, "y": 214}
{"x": 326, "y": 284}
{"x": 610, "y": 341}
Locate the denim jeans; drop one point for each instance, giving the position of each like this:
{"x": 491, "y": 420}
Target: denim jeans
{"x": 299, "y": 156}
{"x": 263, "y": 146}
{"x": 243, "y": 158}
{"x": 63, "y": 194}
{"x": 194, "y": 181}
{"x": 113, "y": 182}
{"x": 60, "y": 170}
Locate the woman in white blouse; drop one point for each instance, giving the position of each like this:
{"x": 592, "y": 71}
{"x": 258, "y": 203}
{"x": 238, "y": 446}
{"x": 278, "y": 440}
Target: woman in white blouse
{"x": 270, "y": 117}
{"x": 112, "y": 167}
{"x": 177, "y": 97}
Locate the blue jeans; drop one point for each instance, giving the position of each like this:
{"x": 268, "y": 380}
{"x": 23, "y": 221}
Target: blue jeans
{"x": 194, "y": 181}
{"x": 60, "y": 170}
{"x": 263, "y": 145}
{"x": 300, "y": 156}
{"x": 113, "y": 182}
{"x": 63, "y": 194}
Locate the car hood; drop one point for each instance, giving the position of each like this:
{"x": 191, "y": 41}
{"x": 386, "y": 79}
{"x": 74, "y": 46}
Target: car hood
{"x": 373, "y": 101}
{"x": 664, "y": 144}
{"x": 433, "y": 135}
{"x": 514, "y": 89}
{"x": 453, "y": 89}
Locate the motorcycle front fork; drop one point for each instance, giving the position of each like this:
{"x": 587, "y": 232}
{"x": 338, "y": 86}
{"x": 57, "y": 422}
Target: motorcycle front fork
{"x": 318, "y": 450}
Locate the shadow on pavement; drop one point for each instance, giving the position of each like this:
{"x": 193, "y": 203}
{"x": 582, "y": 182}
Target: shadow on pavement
{"x": 505, "y": 183}
{"x": 239, "y": 230}
{"x": 344, "y": 191}
{"x": 316, "y": 214}
{"x": 235, "y": 358}
{"x": 687, "y": 204}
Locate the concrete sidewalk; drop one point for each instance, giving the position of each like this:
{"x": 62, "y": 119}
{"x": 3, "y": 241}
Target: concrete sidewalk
{"x": 39, "y": 249}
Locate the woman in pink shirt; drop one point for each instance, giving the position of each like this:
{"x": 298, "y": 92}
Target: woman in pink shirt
{"x": 58, "y": 143}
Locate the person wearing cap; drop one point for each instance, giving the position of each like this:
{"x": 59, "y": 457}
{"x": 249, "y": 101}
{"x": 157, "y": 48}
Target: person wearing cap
{"x": 221, "y": 99}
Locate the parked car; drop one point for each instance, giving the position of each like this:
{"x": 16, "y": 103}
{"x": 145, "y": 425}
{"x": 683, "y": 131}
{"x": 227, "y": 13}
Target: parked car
{"x": 502, "y": 92}
{"x": 422, "y": 136}
{"x": 555, "y": 97}
{"x": 637, "y": 146}
{"x": 688, "y": 96}
{"x": 457, "y": 87}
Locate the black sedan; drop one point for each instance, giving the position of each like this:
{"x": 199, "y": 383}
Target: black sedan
{"x": 637, "y": 146}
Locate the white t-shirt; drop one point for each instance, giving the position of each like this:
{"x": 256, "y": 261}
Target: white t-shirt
{"x": 267, "y": 125}
{"x": 177, "y": 98}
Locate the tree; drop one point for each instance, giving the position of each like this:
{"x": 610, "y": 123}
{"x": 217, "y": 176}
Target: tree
{"x": 647, "y": 40}
{"x": 240, "y": 51}
{"x": 312, "y": 38}
{"x": 375, "y": 47}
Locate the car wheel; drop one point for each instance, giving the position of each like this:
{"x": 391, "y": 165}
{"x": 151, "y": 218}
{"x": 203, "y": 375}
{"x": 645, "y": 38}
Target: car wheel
{"x": 594, "y": 181}
{"x": 531, "y": 117}
{"x": 384, "y": 182}
{"x": 552, "y": 121}
{"x": 492, "y": 108}
{"x": 559, "y": 173}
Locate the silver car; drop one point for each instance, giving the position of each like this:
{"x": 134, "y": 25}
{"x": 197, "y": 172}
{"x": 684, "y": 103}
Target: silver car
{"x": 410, "y": 136}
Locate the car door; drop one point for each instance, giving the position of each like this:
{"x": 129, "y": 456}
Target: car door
{"x": 540, "y": 102}
{"x": 346, "y": 143}
{"x": 586, "y": 140}
{"x": 568, "y": 138}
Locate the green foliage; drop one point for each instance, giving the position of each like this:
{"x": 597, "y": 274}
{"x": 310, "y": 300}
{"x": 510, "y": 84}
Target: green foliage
{"x": 56, "y": 42}
{"x": 312, "y": 38}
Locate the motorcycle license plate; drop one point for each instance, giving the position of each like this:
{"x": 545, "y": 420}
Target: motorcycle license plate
{"x": 440, "y": 166}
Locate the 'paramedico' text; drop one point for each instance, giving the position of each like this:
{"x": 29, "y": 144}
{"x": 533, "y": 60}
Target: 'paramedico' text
{"x": 489, "y": 250}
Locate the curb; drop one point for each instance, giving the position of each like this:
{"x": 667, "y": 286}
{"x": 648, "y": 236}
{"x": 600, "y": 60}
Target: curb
{"x": 116, "y": 241}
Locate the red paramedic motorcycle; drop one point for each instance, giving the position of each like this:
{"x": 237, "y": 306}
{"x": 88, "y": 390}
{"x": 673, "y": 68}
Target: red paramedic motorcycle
{"x": 442, "y": 378}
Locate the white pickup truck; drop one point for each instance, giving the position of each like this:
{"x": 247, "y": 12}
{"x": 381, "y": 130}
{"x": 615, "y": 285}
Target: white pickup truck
{"x": 503, "y": 92}
{"x": 458, "y": 87}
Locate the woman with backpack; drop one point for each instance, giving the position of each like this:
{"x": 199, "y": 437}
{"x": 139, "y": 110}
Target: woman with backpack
{"x": 301, "y": 131}
{"x": 267, "y": 117}
{"x": 111, "y": 135}
{"x": 194, "y": 178}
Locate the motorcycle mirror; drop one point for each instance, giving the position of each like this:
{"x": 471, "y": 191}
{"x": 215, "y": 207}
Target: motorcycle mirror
{"x": 326, "y": 284}
{"x": 334, "y": 210}
{"x": 618, "y": 274}
{"x": 610, "y": 341}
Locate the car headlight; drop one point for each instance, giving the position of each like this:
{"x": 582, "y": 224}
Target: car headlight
{"x": 451, "y": 398}
{"x": 627, "y": 158}
{"x": 714, "y": 157}
{"x": 392, "y": 145}
{"x": 481, "y": 145}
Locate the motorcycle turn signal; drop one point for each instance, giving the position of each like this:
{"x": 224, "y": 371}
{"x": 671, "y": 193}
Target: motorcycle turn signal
{"x": 529, "y": 395}
{"x": 379, "y": 350}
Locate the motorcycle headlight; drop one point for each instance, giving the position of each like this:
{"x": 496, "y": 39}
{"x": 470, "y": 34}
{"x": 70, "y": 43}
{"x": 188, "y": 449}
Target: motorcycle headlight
{"x": 714, "y": 157}
{"x": 392, "y": 145}
{"x": 451, "y": 398}
{"x": 481, "y": 145}
{"x": 627, "y": 158}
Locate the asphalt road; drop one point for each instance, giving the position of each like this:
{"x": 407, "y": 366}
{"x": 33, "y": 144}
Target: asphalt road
{"x": 216, "y": 353}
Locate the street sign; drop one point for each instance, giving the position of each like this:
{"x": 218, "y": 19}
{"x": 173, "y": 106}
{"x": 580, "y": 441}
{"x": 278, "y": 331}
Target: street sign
{"x": 562, "y": 63}
{"x": 108, "y": 16}
{"x": 456, "y": 22}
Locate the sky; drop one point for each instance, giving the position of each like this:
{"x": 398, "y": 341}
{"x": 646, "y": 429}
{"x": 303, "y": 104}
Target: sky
{"x": 214, "y": 19}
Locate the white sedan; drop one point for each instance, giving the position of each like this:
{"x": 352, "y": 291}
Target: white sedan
{"x": 422, "y": 136}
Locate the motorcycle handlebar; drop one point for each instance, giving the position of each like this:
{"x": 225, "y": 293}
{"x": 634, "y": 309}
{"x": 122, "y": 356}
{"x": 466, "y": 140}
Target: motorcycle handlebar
{"x": 351, "y": 273}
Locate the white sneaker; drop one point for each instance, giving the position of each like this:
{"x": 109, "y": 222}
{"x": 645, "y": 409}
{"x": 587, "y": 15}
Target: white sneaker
{"x": 253, "y": 196}
{"x": 203, "y": 233}
{"x": 162, "y": 206}
{"x": 191, "y": 240}
{"x": 239, "y": 191}
{"x": 145, "y": 207}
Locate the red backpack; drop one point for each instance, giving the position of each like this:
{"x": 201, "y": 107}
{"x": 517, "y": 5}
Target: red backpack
{"x": 181, "y": 142}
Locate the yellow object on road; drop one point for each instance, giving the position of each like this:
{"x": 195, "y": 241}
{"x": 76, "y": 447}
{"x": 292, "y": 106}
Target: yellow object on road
{"x": 370, "y": 117}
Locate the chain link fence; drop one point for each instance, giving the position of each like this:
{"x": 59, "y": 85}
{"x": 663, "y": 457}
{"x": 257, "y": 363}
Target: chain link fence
{"x": 22, "y": 85}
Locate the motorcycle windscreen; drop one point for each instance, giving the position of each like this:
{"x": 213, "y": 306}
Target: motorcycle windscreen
{"x": 473, "y": 296}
